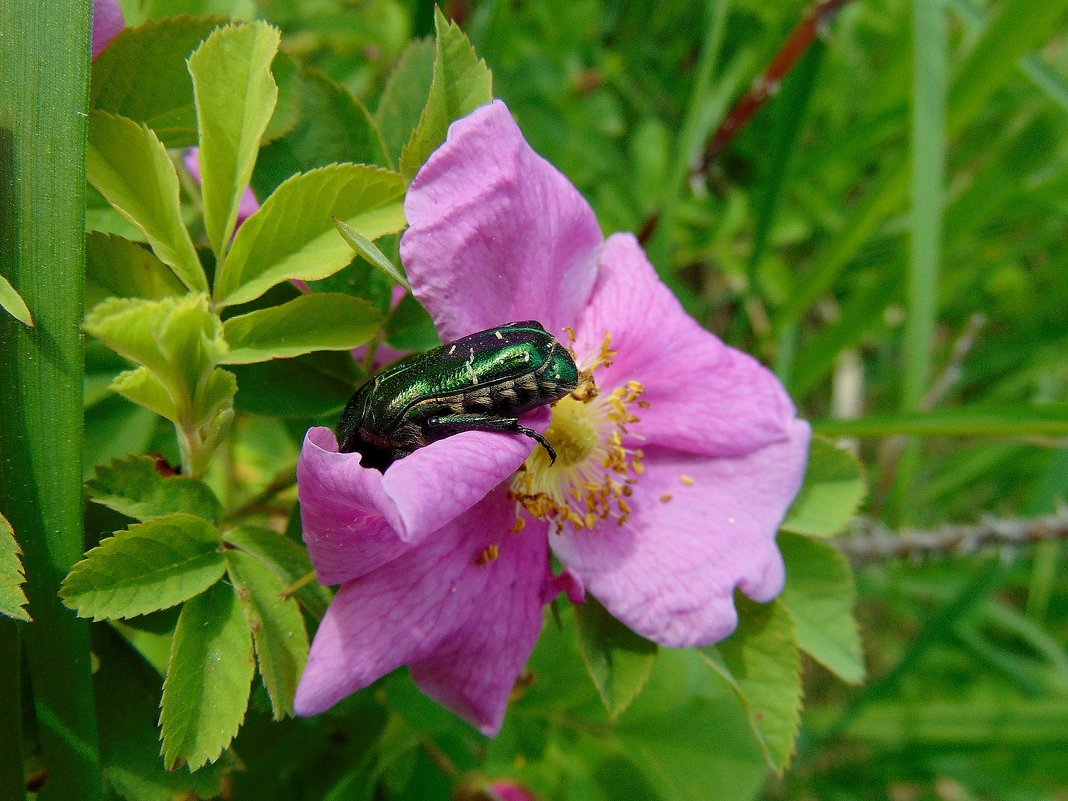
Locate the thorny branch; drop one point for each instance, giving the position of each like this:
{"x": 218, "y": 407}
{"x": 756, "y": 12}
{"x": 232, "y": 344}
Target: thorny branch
{"x": 872, "y": 541}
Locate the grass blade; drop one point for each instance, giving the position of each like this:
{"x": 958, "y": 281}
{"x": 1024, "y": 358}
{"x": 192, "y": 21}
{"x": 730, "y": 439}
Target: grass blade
{"x": 42, "y": 183}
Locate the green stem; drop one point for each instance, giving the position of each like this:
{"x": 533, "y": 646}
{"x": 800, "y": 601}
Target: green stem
{"x": 44, "y": 92}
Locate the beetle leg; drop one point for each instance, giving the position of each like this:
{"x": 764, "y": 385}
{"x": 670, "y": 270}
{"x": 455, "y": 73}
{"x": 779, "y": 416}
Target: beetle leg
{"x": 445, "y": 425}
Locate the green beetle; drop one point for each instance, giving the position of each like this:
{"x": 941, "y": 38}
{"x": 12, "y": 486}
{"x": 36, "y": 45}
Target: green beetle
{"x": 482, "y": 382}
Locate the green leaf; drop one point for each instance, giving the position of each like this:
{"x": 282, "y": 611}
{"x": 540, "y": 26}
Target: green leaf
{"x": 688, "y": 736}
{"x": 312, "y": 386}
{"x": 293, "y": 236}
{"x": 405, "y": 95}
{"x": 410, "y": 327}
{"x": 177, "y": 339}
{"x": 148, "y": 567}
{"x": 130, "y": 167}
{"x": 142, "y": 75}
{"x": 128, "y": 691}
{"x": 462, "y": 82}
{"x": 134, "y": 487}
{"x": 117, "y": 267}
{"x": 209, "y": 678}
{"x": 288, "y": 559}
{"x": 334, "y": 127}
{"x": 12, "y": 576}
{"x": 308, "y": 323}
{"x": 216, "y": 397}
{"x": 235, "y": 95}
{"x": 833, "y": 491}
{"x": 291, "y": 87}
{"x": 819, "y": 597}
{"x": 369, "y": 251}
{"x": 618, "y": 660}
{"x": 13, "y": 304}
{"x": 145, "y": 388}
{"x": 277, "y": 628}
{"x": 762, "y": 664}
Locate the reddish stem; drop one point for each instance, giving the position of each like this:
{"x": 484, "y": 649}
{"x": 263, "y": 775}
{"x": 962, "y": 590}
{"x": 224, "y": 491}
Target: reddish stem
{"x": 818, "y": 16}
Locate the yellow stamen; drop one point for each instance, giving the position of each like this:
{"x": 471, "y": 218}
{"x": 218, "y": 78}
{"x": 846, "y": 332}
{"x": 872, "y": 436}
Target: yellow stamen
{"x": 489, "y": 554}
{"x": 594, "y": 470}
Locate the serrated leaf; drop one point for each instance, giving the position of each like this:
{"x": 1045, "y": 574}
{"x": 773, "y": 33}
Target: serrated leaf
{"x": 12, "y": 576}
{"x": 761, "y": 662}
{"x": 148, "y": 567}
{"x": 819, "y": 597}
{"x": 143, "y": 387}
{"x": 371, "y": 253}
{"x": 833, "y": 490}
{"x": 618, "y": 660}
{"x": 134, "y": 487}
{"x": 13, "y": 304}
{"x": 235, "y": 95}
{"x": 312, "y": 386}
{"x": 462, "y": 82}
{"x": 405, "y": 95}
{"x": 289, "y": 77}
{"x": 178, "y": 339}
{"x": 293, "y": 236}
{"x": 209, "y": 678}
{"x": 117, "y": 267}
{"x": 277, "y": 628}
{"x": 130, "y": 167}
{"x": 288, "y": 559}
{"x": 142, "y": 75}
{"x": 127, "y": 692}
{"x": 333, "y": 127}
{"x": 320, "y": 321}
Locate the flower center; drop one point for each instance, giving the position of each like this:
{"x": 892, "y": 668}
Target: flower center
{"x": 594, "y": 471}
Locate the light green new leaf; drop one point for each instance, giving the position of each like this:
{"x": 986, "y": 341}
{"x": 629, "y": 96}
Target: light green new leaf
{"x": 762, "y": 664}
{"x": 143, "y": 387}
{"x": 142, "y": 75}
{"x": 178, "y": 339}
{"x": 293, "y": 235}
{"x": 209, "y": 678}
{"x": 833, "y": 491}
{"x": 618, "y": 660}
{"x": 12, "y": 576}
{"x": 462, "y": 82}
{"x": 130, "y": 167}
{"x": 405, "y": 95}
{"x": 277, "y": 628}
{"x": 216, "y": 397}
{"x": 148, "y": 567}
{"x": 286, "y": 558}
{"x": 117, "y": 267}
{"x": 323, "y": 321}
{"x": 819, "y": 597}
{"x": 134, "y": 487}
{"x": 12, "y": 302}
{"x": 370, "y": 251}
{"x": 235, "y": 95}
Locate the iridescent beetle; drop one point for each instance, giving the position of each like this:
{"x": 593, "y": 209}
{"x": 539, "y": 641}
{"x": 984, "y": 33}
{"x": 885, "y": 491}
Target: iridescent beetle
{"x": 482, "y": 382}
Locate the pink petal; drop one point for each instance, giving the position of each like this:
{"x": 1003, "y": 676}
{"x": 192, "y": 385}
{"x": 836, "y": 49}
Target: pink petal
{"x": 108, "y": 22}
{"x": 704, "y": 396}
{"x": 466, "y": 625}
{"x": 670, "y": 572}
{"x": 497, "y": 233}
{"x": 356, "y": 519}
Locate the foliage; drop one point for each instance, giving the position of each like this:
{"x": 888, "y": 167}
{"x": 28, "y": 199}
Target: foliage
{"x": 891, "y": 239}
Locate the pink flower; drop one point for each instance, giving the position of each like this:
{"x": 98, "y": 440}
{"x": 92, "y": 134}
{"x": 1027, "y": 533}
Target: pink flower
{"x": 108, "y": 22}
{"x": 667, "y": 493}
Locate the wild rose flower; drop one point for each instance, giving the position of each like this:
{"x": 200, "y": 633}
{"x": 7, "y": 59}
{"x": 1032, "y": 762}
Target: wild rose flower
{"x": 108, "y": 22}
{"x": 673, "y": 473}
